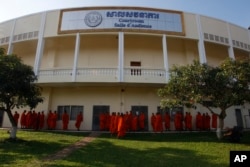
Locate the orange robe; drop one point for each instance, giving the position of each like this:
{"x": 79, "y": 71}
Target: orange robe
{"x": 16, "y": 117}
{"x": 23, "y": 120}
{"x": 65, "y": 121}
{"x": 102, "y": 119}
{"x": 135, "y": 123}
{"x": 41, "y": 120}
{"x": 214, "y": 120}
{"x": 121, "y": 128}
{"x": 153, "y": 119}
{"x": 199, "y": 121}
{"x": 167, "y": 121}
{"x": 158, "y": 123}
{"x": 79, "y": 120}
{"x": 142, "y": 121}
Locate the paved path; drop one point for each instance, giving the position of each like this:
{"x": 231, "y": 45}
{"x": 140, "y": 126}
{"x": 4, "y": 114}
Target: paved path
{"x": 68, "y": 150}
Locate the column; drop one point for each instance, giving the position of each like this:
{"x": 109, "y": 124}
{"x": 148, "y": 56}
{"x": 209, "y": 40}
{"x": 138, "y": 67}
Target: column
{"x": 201, "y": 47}
{"x": 120, "y": 56}
{"x": 40, "y": 44}
{"x": 230, "y": 48}
{"x": 77, "y": 46}
{"x": 165, "y": 56}
{"x": 10, "y": 47}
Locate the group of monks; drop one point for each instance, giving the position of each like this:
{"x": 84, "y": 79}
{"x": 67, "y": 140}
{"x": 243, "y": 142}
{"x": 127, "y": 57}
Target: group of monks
{"x": 119, "y": 123}
{"x": 35, "y": 120}
{"x": 181, "y": 122}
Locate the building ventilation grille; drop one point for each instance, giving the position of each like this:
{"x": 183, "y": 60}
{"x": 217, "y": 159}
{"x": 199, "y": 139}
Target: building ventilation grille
{"x": 241, "y": 45}
{"x": 224, "y": 40}
{"x": 20, "y": 37}
{"x": 216, "y": 38}
{"x": 25, "y": 36}
{"x": 4, "y": 40}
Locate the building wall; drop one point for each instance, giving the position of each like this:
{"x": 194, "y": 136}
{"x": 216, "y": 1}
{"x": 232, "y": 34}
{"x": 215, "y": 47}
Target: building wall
{"x": 97, "y": 71}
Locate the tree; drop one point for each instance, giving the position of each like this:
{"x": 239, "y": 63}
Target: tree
{"x": 17, "y": 87}
{"x": 213, "y": 87}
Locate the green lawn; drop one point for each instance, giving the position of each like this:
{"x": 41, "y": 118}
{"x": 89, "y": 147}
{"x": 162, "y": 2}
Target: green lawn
{"x": 135, "y": 150}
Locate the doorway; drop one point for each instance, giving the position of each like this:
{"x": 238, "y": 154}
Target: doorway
{"x": 136, "y": 110}
{"x": 97, "y": 110}
{"x": 239, "y": 118}
{"x": 1, "y": 118}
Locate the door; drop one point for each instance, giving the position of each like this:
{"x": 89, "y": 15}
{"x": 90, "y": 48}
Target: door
{"x": 1, "y": 118}
{"x": 138, "y": 109}
{"x": 97, "y": 110}
{"x": 239, "y": 117}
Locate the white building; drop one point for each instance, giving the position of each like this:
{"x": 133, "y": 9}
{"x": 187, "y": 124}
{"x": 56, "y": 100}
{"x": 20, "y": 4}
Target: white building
{"x": 115, "y": 58}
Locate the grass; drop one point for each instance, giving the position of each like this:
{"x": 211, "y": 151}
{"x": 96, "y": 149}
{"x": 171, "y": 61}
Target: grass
{"x": 145, "y": 149}
{"x": 32, "y": 146}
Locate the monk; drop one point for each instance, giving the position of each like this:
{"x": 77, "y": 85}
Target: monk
{"x": 49, "y": 120}
{"x": 65, "y": 120}
{"x": 153, "y": 119}
{"x": 53, "y": 120}
{"x": 207, "y": 121}
{"x": 79, "y": 120}
{"x": 142, "y": 121}
{"x": 23, "y": 120}
{"x": 112, "y": 123}
{"x": 198, "y": 121}
{"x": 121, "y": 128}
{"x": 102, "y": 119}
{"x": 16, "y": 117}
{"x": 167, "y": 121}
{"x": 158, "y": 123}
{"x": 135, "y": 123}
{"x": 41, "y": 120}
{"x": 188, "y": 121}
{"x": 107, "y": 121}
{"x": 214, "y": 120}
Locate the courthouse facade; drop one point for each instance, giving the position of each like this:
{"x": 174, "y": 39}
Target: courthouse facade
{"x": 114, "y": 59}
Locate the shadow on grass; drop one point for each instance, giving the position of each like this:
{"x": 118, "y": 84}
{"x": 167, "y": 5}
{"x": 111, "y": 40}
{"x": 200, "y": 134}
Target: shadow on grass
{"x": 179, "y": 137}
{"x": 102, "y": 153}
{"x": 34, "y": 145}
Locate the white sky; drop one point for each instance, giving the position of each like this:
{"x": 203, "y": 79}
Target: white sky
{"x": 233, "y": 11}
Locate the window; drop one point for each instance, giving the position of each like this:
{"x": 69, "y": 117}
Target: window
{"x": 172, "y": 111}
{"x": 71, "y": 110}
{"x": 135, "y": 68}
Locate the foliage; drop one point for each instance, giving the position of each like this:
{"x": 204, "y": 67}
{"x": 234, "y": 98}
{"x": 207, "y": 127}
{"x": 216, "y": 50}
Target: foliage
{"x": 221, "y": 87}
{"x": 17, "y": 85}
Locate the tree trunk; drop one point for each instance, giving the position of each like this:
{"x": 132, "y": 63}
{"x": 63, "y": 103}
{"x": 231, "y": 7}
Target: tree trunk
{"x": 13, "y": 130}
{"x": 221, "y": 124}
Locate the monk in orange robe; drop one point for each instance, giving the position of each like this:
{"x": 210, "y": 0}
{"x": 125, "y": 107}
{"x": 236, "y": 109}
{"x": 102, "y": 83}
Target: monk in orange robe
{"x": 28, "y": 119}
{"x": 198, "y": 121}
{"x": 214, "y": 120}
{"x": 79, "y": 120}
{"x": 49, "y": 120}
{"x": 112, "y": 123}
{"x": 135, "y": 123}
{"x": 142, "y": 121}
{"x": 167, "y": 121}
{"x": 53, "y": 120}
{"x": 16, "y": 118}
{"x": 158, "y": 123}
{"x": 188, "y": 121}
{"x": 107, "y": 121}
{"x": 102, "y": 118}
{"x": 65, "y": 120}
{"x": 121, "y": 128}
{"x": 153, "y": 119}
{"x": 23, "y": 120}
{"x": 207, "y": 121}
{"x": 41, "y": 120}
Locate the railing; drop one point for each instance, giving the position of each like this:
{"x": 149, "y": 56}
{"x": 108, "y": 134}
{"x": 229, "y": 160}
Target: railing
{"x": 131, "y": 74}
{"x": 55, "y": 72}
{"x": 137, "y": 71}
{"x": 97, "y": 72}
